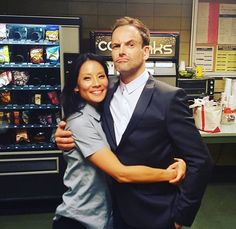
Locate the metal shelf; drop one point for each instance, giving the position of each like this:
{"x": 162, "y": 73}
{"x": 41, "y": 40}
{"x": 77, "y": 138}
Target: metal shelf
{"x": 27, "y": 42}
{"x": 28, "y": 107}
{"x": 21, "y": 126}
{"x": 29, "y": 65}
{"x": 29, "y": 146}
{"x": 30, "y": 87}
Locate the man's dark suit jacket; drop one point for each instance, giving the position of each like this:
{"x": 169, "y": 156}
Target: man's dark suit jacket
{"x": 161, "y": 128}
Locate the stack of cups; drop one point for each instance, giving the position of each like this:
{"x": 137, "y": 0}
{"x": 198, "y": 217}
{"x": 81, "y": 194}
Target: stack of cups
{"x": 228, "y": 102}
{"x": 233, "y": 95}
{"x": 228, "y": 97}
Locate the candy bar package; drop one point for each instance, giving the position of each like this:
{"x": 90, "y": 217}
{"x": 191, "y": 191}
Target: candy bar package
{"x": 36, "y": 55}
{"x": 16, "y": 115}
{"x": 8, "y": 117}
{"x": 37, "y": 99}
{"x": 5, "y": 78}
{"x": 52, "y": 33}
{"x": 1, "y": 118}
{"x": 25, "y": 117}
{"x": 22, "y": 136}
{"x": 4, "y": 54}
{"x": 20, "y": 77}
{"x": 52, "y": 54}
{"x": 3, "y": 31}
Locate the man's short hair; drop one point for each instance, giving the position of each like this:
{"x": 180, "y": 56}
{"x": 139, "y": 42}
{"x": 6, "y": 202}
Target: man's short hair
{"x": 142, "y": 28}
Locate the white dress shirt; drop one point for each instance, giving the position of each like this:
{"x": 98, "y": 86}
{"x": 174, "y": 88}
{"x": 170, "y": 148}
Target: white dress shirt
{"x": 124, "y": 102}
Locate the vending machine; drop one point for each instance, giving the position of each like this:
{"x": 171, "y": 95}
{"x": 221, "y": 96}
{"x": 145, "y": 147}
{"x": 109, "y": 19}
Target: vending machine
{"x": 31, "y": 79}
{"x": 164, "y": 53}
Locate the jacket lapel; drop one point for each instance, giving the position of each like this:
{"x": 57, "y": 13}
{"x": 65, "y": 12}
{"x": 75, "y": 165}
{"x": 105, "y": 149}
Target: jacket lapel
{"x": 140, "y": 108}
{"x": 108, "y": 124}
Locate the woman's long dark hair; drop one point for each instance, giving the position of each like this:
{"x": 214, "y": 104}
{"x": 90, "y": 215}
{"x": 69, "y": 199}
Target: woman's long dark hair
{"x": 71, "y": 101}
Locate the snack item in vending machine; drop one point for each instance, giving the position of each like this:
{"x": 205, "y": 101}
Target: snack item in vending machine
{"x": 16, "y": 115}
{"x": 5, "y": 78}
{"x": 25, "y": 117}
{"x": 52, "y": 54}
{"x": 40, "y": 137}
{"x": 4, "y": 54}
{"x": 52, "y": 33}
{"x": 3, "y": 31}
{"x": 1, "y": 119}
{"x": 20, "y": 77}
{"x": 36, "y": 55}
{"x": 22, "y": 136}
{"x": 38, "y": 99}
{"x": 35, "y": 33}
{"x": 17, "y": 32}
{"x": 5, "y": 97}
{"x": 8, "y": 116}
{"x": 53, "y": 97}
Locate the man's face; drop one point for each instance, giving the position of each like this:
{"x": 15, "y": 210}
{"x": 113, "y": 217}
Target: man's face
{"x": 128, "y": 53}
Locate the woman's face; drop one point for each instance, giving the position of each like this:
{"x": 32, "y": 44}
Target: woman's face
{"x": 92, "y": 82}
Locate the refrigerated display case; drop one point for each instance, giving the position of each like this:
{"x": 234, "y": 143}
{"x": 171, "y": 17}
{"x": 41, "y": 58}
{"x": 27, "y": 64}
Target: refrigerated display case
{"x": 31, "y": 78}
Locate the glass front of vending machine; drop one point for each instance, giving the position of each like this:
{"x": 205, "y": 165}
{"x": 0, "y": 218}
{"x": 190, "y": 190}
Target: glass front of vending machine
{"x": 31, "y": 79}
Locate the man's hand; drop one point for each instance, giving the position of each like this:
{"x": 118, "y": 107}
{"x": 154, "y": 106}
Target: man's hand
{"x": 180, "y": 167}
{"x": 63, "y": 138}
{"x": 177, "y": 226}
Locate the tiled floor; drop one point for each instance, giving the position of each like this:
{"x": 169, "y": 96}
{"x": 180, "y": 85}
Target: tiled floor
{"x": 218, "y": 211}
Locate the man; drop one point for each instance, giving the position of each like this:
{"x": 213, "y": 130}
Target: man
{"x": 148, "y": 122}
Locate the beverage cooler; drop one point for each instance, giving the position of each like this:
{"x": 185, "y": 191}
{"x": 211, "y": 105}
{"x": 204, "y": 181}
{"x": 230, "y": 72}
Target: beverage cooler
{"x": 31, "y": 79}
{"x": 164, "y": 53}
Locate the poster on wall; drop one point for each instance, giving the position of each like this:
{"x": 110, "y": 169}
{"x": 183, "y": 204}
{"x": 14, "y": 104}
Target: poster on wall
{"x": 204, "y": 56}
{"x": 202, "y": 25}
{"x": 227, "y": 24}
{"x": 226, "y": 58}
{"x": 216, "y": 27}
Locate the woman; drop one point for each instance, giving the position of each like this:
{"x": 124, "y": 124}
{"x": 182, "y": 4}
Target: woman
{"x": 86, "y": 203}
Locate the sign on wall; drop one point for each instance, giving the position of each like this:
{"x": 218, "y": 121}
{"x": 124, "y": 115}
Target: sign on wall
{"x": 163, "y": 45}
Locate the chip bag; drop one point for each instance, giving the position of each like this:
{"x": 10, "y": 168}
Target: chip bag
{"x": 36, "y": 55}
{"x": 3, "y": 31}
{"x": 4, "y": 54}
{"x": 52, "y": 54}
{"x": 52, "y": 33}
{"x": 5, "y": 78}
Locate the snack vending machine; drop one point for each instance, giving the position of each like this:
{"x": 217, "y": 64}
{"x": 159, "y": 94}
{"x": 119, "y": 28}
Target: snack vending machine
{"x": 31, "y": 79}
{"x": 164, "y": 53}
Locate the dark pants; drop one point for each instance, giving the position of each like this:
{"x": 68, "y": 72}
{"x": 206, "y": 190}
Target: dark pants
{"x": 67, "y": 223}
{"x": 119, "y": 223}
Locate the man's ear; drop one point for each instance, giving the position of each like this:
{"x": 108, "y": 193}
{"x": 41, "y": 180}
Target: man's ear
{"x": 76, "y": 90}
{"x": 146, "y": 50}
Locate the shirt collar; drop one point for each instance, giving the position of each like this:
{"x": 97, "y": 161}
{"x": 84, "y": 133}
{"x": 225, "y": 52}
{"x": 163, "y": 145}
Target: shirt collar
{"x": 136, "y": 83}
{"x": 92, "y": 111}
{"x": 88, "y": 109}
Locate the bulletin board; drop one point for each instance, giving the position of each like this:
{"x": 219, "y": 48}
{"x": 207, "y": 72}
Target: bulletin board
{"x": 213, "y": 41}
